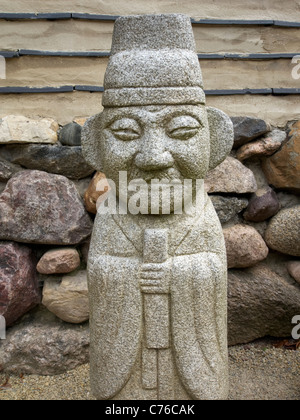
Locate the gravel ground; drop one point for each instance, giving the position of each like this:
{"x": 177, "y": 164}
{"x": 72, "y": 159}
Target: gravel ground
{"x": 258, "y": 371}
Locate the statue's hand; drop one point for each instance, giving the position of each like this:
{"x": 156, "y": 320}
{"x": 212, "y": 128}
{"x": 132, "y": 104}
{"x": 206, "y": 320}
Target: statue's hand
{"x": 155, "y": 277}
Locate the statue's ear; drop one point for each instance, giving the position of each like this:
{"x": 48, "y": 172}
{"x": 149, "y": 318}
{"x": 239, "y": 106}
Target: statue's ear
{"x": 221, "y": 136}
{"x": 90, "y": 142}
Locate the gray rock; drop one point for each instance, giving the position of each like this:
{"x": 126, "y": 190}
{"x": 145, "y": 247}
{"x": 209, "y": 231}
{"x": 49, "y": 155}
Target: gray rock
{"x": 41, "y": 344}
{"x": 261, "y": 227}
{"x": 61, "y": 160}
{"x": 8, "y": 169}
{"x": 70, "y": 135}
{"x": 288, "y": 200}
{"x": 2, "y": 187}
{"x": 262, "y": 205}
{"x": 84, "y": 250}
{"x": 283, "y": 232}
{"x": 19, "y": 286}
{"x": 265, "y": 146}
{"x": 228, "y": 207}
{"x": 260, "y": 303}
{"x": 82, "y": 185}
{"x": 247, "y": 129}
{"x": 278, "y": 262}
{"x": 37, "y": 207}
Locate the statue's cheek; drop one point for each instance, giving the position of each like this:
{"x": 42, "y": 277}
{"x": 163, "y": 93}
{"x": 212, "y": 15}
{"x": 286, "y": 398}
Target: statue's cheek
{"x": 192, "y": 157}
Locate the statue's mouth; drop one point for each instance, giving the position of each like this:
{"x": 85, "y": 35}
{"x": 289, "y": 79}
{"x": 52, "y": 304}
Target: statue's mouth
{"x": 162, "y": 176}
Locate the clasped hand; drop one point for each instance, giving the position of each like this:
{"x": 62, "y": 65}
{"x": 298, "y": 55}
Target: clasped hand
{"x": 155, "y": 277}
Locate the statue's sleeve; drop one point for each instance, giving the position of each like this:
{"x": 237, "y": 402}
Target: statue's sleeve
{"x": 199, "y": 323}
{"x": 116, "y": 310}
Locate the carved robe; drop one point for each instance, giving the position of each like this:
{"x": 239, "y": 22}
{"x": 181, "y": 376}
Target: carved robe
{"x": 194, "y": 366}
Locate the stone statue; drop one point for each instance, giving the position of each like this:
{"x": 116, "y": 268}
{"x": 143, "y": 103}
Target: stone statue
{"x": 157, "y": 282}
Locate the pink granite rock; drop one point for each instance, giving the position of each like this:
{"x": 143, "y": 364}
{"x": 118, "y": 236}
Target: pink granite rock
{"x": 294, "y": 270}
{"x": 244, "y": 246}
{"x": 19, "y": 288}
{"x": 59, "y": 261}
{"x": 230, "y": 177}
{"x": 264, "y": 147}
{"x": 42, "y": 208}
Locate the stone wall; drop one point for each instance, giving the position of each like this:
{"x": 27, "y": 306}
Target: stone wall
{"x": 48, "y": 192}
{"x": 47, "y": 207}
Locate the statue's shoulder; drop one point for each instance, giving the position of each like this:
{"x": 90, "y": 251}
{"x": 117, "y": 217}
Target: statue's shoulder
{"x": 205, "y": 235}
{"x": 115, "y": 235}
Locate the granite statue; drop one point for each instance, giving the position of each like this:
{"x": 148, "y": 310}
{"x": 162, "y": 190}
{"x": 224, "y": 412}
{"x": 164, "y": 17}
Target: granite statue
{"x": 157, "y": 280}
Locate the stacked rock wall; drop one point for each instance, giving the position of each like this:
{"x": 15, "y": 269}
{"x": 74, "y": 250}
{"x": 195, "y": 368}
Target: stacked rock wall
{"x": 47, "y": 207}
{"x": 55, "y": 60}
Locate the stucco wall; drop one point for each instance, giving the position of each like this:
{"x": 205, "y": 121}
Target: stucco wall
{"x": 245, "y": 50}
{"x": 217, "y": 9}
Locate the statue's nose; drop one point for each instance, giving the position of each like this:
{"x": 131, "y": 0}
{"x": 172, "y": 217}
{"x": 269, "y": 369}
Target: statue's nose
{"x": 152, "y": 154}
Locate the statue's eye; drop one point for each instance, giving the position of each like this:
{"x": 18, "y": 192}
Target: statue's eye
{"x": 126, "y": 129}
{"x": 183, "y": 127}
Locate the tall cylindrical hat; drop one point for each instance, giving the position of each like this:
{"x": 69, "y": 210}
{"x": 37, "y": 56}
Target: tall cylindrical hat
{"x": 153, "y": 61}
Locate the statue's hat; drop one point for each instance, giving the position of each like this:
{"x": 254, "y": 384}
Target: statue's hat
{"x": 153, "y": 61}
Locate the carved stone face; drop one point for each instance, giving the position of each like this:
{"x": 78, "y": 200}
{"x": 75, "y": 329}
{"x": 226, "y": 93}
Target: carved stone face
{"x": 155, "y": 142}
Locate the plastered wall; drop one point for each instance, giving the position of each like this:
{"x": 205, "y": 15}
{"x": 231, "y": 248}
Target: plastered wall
{"x": 245, "y": 50}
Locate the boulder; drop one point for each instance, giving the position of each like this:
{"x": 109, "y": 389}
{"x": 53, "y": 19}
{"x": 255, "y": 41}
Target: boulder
{"x": 67, "y": 297}
{"x": 42, "y": 344}
{"x": 228, "y": 207}
{"x": 244, "y": 246}
{"x": 294, "y": 270}
{"x": 70, "y": 135}
{"x": 20, "y": 129}
{"x": 7, "y": 170}
{"x": 61, "y": 160}
{"x": 283, "y": 232}
{"x": 283, "y": 168}
{"x": 260, "y": 303}
{"x": 262, "y": 205}
{"x": 247, "y": 129}
{"x": 37, "y": 207}
{"x": 265, "y": 147}
{"x": 19, "y": 286}
{"x": 82, "y": 185}
{"x": 230, "y": 177}
{"x": 97, "y": 187}
{"x": 59, "y": 261}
